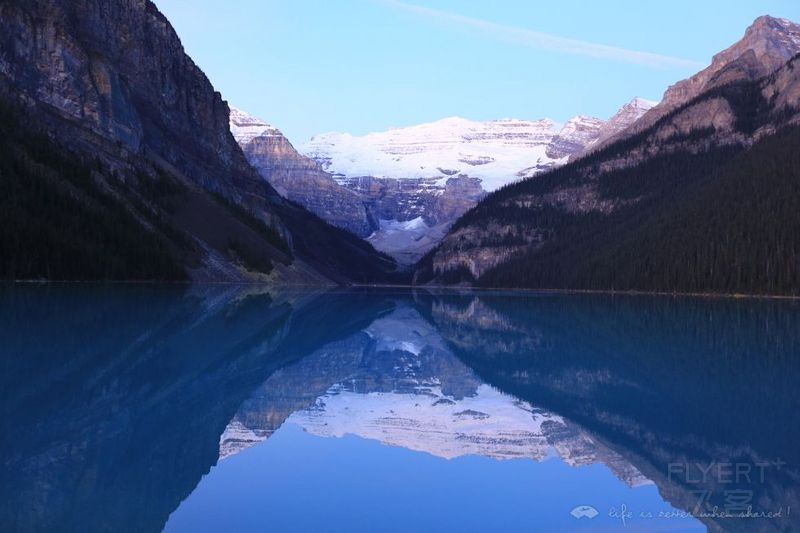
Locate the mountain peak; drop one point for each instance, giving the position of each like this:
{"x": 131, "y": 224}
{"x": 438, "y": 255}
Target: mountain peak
{"x": 773, "y": 24}
{"x": 246, "y": 127}
{"x": 627, "y": 115}
{"x": 242, "y": 117}
{"x": 493, "y": 151}
{"x": 624, "y": 118}
{"x": 639, "y": 103}
{"x": 454, "y": 120}
{"x": 767, "y": 44}
{"x": 582, "y": 119}
{"x": 773, "y": 41}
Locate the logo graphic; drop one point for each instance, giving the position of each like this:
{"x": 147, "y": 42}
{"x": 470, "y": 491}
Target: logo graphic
{"x": 584, "y": 511}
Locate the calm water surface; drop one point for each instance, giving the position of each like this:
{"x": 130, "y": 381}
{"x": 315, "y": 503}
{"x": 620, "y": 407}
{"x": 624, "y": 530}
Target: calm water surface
{"x": 146, "y": 408}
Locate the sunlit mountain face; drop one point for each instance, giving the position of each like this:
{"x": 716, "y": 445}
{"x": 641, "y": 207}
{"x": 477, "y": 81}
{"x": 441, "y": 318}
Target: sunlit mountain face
{"x": 241, "y": 409}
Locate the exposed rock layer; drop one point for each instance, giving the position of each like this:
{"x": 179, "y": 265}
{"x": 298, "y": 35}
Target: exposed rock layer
{"x": 766, "y": 46}
{"x": 297, "y": 177}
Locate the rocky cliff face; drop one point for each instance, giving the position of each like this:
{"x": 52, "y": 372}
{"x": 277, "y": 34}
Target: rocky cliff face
{"x": 118, "y": 69}
{"x": 402, "y": 217}
{"x": 297, "y": 177}
{"x": 109, "y": 84}
{"x": 628, "y": 115}
{"x": 765, "y": 47}
{"x": 575, "y": 136}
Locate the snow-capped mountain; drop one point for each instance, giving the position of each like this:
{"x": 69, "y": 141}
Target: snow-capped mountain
{"x": 487, "y": 423}
{"x": 433, "y": 173}
{"x": 622, "y": 119}
{"x": 245, "y": 128}
{"x": 496, "y": 152}
{"x": 575, "y": 135}
{"x": 402, "y": 189}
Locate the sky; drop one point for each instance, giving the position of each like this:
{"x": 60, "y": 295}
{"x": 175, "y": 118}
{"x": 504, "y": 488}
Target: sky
{"x": 314, "y": 66}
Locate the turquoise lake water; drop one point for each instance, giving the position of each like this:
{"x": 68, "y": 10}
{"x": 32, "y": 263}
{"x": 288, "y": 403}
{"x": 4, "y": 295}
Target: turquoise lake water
{"x": 185, "y": 409}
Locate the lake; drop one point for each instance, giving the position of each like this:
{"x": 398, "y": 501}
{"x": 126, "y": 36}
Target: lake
{"x": 242, "y": 408}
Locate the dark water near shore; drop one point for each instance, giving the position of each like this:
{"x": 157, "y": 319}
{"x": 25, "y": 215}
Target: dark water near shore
{"x": 144, "y": 408}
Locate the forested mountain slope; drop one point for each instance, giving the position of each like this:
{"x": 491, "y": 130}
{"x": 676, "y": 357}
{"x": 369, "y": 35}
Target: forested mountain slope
{"x": 703, "y": 200}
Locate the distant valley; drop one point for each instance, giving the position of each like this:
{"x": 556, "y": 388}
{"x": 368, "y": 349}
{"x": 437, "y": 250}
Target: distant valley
{"x": 402, "y": 189}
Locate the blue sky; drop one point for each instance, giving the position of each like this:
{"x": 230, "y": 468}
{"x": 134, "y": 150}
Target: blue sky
{"x": 312, "y": 66}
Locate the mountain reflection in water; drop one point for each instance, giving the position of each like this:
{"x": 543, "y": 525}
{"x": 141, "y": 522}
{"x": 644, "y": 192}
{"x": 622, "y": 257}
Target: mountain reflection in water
{"x": 118, "y": 401}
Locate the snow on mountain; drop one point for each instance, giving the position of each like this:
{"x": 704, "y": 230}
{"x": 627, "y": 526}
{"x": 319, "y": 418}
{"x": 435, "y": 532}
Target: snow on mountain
{"x": 409, "y": 240}
{"x": 640, "y": 105}
{"x": 577, "y": 134}
{"x": 238, "y": 437}
{"x": 495, "y": 151}
{"x": 405, "y": 330}
{"x": 403, "y": 188}
{"x": 245, "y": 128}
{"x": 581, "y": 129}
{"x": 608, "y": 131}
{"x": 627, "y": 115}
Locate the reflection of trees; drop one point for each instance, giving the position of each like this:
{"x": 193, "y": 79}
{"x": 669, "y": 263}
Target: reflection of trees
{"x": 659, "y": 379}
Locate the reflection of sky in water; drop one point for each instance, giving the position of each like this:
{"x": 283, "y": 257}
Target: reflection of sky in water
{"x": 300, "y": 482}
{"x": 445, "y": 465}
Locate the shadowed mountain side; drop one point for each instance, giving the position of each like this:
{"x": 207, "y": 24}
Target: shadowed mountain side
{"x": 111, "y": 128}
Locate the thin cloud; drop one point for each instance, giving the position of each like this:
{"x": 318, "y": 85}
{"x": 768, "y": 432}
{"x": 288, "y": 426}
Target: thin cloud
{"x": 545, "y": 41}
